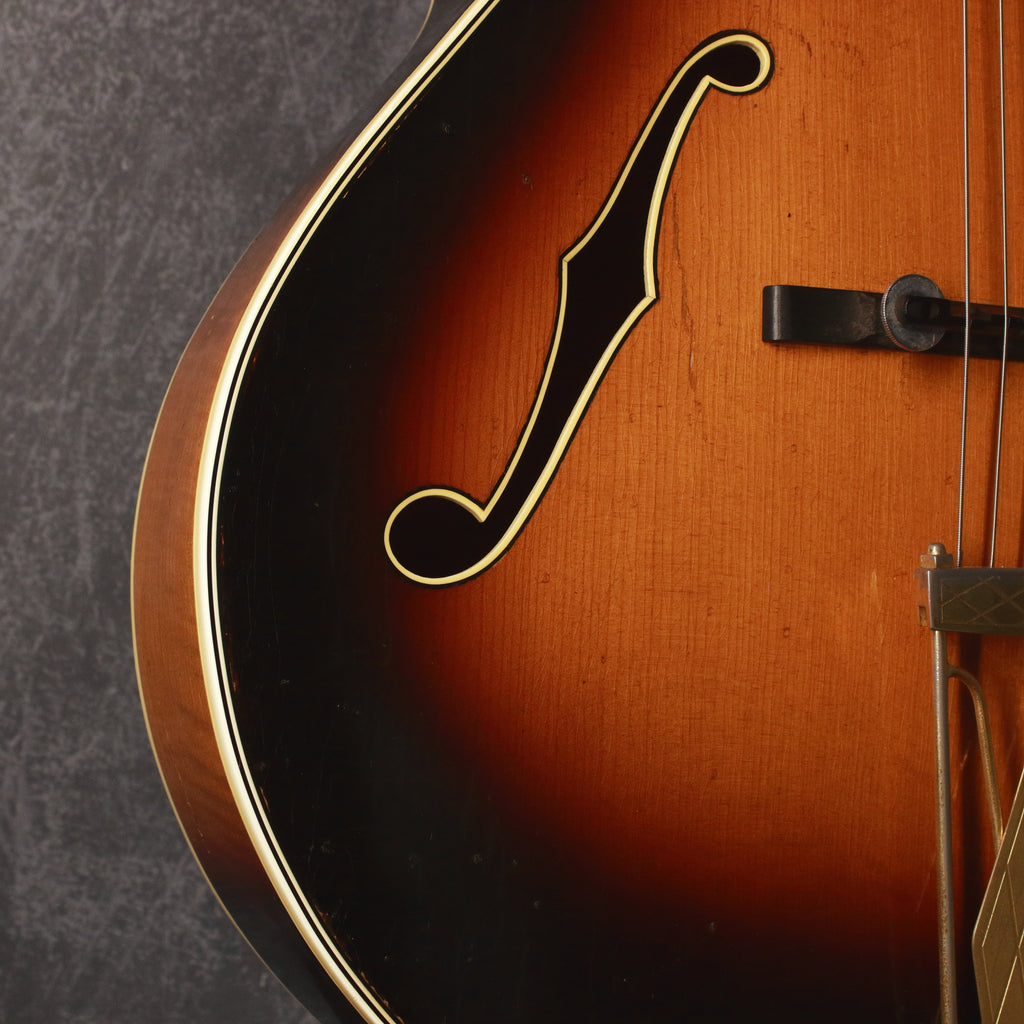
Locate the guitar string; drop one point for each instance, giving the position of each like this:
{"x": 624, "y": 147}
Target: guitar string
{"x": 967, "y": 292}
{"x": 1006, "y": 298}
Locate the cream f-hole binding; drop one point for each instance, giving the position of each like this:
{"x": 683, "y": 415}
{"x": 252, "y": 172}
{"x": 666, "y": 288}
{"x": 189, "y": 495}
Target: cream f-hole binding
{"x": 440, "y": 536}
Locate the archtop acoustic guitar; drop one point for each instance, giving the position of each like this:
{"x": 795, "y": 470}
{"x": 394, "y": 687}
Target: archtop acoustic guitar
{"x": 525, "y": 589}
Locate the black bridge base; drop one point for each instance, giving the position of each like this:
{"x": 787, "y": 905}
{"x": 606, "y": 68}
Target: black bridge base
{"x": 911, "y": 315}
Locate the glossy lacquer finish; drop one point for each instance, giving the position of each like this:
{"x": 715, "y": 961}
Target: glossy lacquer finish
{"x": 667, "y": 756}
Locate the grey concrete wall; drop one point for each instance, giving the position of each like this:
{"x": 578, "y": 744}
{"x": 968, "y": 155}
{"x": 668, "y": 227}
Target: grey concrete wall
{"x": 142, "y": 144}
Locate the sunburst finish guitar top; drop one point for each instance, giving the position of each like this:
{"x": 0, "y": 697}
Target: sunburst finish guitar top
{"x": 524, "y": 640}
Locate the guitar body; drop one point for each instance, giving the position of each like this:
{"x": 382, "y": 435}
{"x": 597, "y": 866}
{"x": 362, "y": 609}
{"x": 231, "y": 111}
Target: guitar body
{"x": 668, "y": 755}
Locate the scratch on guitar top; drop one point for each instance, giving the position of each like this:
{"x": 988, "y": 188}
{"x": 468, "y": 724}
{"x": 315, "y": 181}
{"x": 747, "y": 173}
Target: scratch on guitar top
{"x": 675, "y": 235}
{"x": 876, "y": 600}
{"x": 684, "y": 308}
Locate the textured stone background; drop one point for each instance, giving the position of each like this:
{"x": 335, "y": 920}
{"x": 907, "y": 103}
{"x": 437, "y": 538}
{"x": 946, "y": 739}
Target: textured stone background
{"x": 142, "y": 144}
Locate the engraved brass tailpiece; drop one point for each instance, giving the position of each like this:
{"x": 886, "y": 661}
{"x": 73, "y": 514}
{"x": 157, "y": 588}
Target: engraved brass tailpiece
{"x": 988, "y": 601}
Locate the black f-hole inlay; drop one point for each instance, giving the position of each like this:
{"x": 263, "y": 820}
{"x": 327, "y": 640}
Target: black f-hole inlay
{"x": 438, "y": 535}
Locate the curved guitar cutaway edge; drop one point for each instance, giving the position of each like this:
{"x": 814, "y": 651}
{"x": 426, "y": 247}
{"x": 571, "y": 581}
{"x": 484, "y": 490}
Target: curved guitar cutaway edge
{"x": 179, "y": 654}
{"x": 434, "y": 518}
